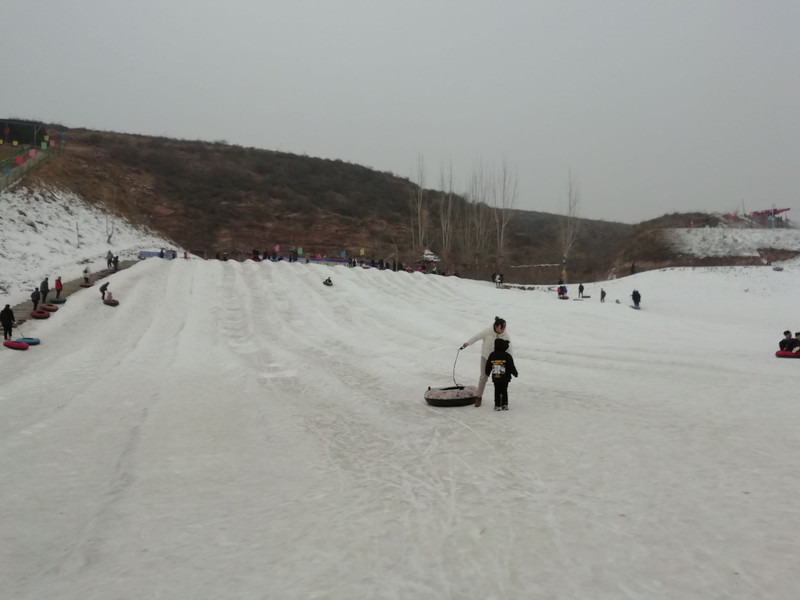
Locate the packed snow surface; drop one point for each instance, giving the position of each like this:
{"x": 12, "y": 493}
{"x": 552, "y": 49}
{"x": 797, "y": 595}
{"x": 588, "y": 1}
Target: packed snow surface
{"x": 239, "y": 430}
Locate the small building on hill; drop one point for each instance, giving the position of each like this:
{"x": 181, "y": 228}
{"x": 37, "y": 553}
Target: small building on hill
{"x": 429, "y": 257}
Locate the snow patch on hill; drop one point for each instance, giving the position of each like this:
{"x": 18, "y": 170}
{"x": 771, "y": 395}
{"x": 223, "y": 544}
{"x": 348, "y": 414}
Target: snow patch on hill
{"x": 721, "y": 241}
{"x": 51, "y": 233}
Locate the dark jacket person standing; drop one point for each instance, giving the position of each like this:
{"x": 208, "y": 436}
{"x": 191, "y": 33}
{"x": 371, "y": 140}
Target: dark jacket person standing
{"x": 500, "y": 367}
{"x": 7, "y": 320}
{"x": 636, "y": 297}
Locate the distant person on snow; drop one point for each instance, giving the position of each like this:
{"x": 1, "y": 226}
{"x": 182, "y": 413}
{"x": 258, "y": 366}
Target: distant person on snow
{"x": 7, "y": 320}
{"x": 44, "y": 289}
{"x": 103, "y": 289}
{"x": 115, "y": 263}
{"x": 500, "y": 366}
{"x": 580, "y": 290}
{"x": 35, "y": 296}
{"x": 109, "y": 259}
{"x": 328, "y": 281}
{"x": 602, "y": 295}
{"x": 787, "y": 340}
{"x": 487, "y": 338}
{"x": 59, "y": 287}
{"x": 86, "y": 273}
{"x": 109, "y": 298}
{"x": 636, "y": 297}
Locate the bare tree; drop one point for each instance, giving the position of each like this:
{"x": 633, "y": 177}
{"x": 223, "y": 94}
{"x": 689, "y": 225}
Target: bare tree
{"x": 571, "y": 222}
{"x": 447, "y": 211}
{"x": 396, "y": 254}
{"x": 504, "y": 197}
{"x": 418, "y": 214}
{"x": 109, "y": 229}
{"x": 477, "y": 231}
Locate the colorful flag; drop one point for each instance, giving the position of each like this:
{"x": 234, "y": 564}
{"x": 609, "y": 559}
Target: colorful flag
{"x": 361, "y": 252}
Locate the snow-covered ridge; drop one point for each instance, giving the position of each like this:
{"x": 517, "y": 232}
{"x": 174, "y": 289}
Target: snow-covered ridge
{"x": 722, "y": 241}
{"x": 51, "y": 233}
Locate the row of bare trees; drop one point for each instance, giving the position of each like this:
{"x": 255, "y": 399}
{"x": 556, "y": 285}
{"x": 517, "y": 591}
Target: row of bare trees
{"x": 472, "y": 226}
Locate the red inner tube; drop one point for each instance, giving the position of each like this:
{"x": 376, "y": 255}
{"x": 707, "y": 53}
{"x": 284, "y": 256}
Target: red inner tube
{"x": 15, "y": 345}
{"x": 48, "y": 307}
{"x": 40, "y": 314}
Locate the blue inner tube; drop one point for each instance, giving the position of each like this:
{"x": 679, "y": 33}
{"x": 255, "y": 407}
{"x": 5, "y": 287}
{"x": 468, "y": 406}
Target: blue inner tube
{"x": 29, "y": 341}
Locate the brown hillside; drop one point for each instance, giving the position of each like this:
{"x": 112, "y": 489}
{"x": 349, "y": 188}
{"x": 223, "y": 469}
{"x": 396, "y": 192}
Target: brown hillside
{"x": 215, "y": 197}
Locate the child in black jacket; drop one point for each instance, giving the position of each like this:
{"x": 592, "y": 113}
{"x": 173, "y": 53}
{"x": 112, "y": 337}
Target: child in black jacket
{"x": 500, "y": 367}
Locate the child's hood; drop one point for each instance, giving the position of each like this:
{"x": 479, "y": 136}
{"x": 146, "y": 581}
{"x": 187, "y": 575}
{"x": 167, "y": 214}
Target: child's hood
{"x": 500, "y": 345}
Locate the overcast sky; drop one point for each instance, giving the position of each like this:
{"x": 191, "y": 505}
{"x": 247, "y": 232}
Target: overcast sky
{"x": 655, "y": 107}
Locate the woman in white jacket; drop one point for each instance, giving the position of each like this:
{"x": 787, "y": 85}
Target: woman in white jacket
{"x": 488, "y": 336}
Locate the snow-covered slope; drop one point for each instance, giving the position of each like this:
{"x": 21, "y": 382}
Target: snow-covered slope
{"x": 239, "y": 430}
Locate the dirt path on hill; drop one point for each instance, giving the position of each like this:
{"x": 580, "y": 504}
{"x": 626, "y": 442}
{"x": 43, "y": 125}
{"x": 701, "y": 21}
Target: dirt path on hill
{"x": 22, "y": 311}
